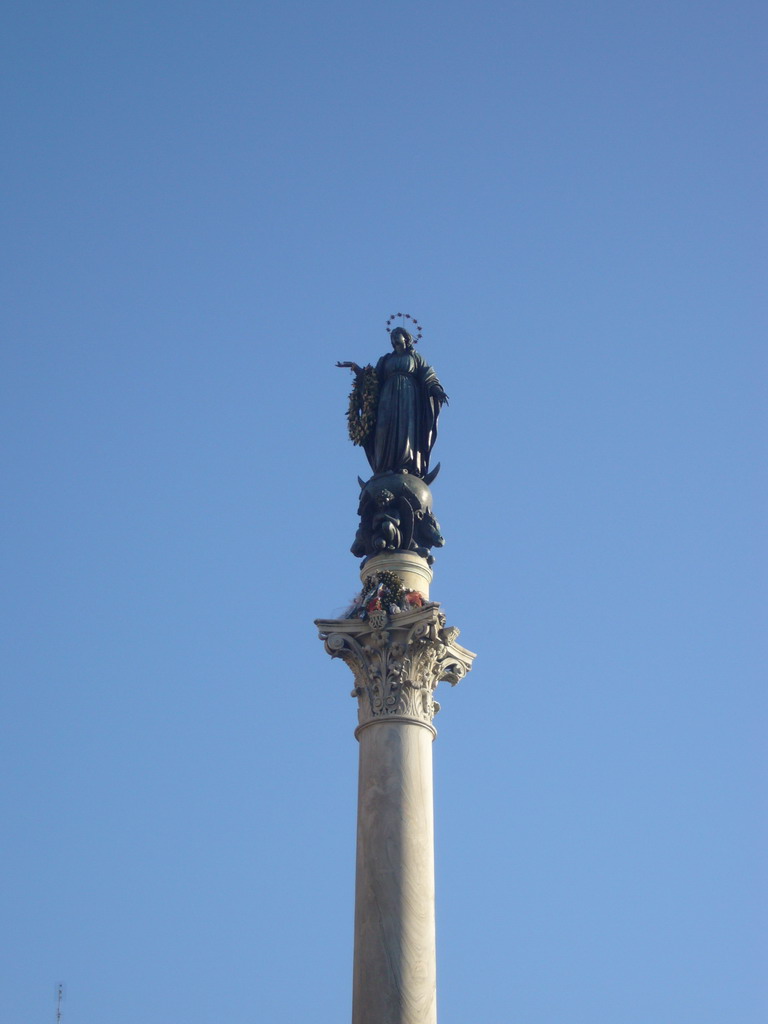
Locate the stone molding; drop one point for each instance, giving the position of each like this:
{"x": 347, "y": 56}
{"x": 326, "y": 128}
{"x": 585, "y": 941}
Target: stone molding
{"x": 397, "y": 662}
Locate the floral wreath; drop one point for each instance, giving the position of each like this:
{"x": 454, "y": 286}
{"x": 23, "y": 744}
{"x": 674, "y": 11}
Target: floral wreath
{"x": 384, "y": 593}
{"x": 383, "y": 588}
{"x": 404, "y": 317}
{"x": 363, "y": 400}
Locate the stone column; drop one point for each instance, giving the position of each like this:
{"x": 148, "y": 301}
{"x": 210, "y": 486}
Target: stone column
{"x": 397, "y": 661}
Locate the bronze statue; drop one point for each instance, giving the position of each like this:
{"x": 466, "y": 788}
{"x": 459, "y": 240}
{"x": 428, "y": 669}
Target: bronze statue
{"x": 393, "y": 413}
{"x": 408, "y": 399}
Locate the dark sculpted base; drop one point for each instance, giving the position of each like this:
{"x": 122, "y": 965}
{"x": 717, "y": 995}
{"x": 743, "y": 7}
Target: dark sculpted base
{"x": 396, "y": 515}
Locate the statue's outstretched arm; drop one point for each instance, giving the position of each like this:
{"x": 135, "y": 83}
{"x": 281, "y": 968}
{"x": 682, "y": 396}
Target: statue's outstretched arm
{"x": 435, "y": 389}
{"x": 431, "y": 381}
{"x": 357, "y": 370}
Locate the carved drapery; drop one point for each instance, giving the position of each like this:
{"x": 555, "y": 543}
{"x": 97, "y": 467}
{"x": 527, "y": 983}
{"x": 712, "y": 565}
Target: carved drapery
{"x": 397, "y": 661}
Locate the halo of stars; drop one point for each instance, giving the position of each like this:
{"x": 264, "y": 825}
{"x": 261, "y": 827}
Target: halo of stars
{"x": 404, "y": 317}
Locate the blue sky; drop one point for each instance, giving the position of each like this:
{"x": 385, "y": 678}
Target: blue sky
{"x": 205, "y": 206}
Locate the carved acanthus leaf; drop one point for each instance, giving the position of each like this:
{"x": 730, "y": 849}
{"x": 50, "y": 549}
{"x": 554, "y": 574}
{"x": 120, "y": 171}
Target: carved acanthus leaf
{"x": 397, "y": 664}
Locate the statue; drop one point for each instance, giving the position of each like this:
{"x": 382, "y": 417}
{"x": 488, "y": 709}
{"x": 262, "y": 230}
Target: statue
{"x": 394, "y": 408}
{"x": 408, "y": 398}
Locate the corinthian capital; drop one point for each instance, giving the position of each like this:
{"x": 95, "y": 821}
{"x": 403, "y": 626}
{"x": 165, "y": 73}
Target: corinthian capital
{"x": 397, "y": 661}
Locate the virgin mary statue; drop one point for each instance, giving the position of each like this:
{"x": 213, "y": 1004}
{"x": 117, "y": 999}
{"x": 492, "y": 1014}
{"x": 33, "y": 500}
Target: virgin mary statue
{"x": 400, "y": 436}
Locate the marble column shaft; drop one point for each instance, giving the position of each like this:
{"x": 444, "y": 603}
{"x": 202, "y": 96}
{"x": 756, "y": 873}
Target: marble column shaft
{"x": 394, "y": 978}
{"x": 397, "y": 661}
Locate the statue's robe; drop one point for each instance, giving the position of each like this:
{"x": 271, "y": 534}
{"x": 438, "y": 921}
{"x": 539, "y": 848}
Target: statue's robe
{"x": 406, "y": 415}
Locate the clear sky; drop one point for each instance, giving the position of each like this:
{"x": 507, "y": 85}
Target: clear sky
{"x": 205, "y": 205}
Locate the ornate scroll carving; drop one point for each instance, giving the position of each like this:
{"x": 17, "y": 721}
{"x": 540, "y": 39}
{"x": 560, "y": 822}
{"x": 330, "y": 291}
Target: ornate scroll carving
{"x": 397, "y": 661}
